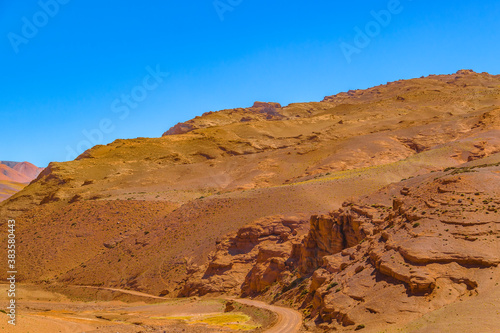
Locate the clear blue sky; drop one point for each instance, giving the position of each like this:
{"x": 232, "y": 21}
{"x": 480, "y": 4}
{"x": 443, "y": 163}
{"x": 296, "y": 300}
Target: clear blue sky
{"x": 69, "y": 73}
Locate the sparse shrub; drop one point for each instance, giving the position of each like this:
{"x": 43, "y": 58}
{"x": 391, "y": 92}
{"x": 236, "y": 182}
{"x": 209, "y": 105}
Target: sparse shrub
{"x": 293, "y": 284}
{"x": 331, "y": 285}
{"x": 359, "y": 327}
{"x": 416, "y": 224}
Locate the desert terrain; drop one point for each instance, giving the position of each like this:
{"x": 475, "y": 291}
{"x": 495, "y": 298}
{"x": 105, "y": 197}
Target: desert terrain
{"x": 44, "y": 310}
{"x": 14, "y": 176}
{"x": 372, "y": 210}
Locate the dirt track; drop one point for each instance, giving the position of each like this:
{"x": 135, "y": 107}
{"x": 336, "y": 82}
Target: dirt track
{"x": 130, "y": 292}
{"x": 289, "y": 320}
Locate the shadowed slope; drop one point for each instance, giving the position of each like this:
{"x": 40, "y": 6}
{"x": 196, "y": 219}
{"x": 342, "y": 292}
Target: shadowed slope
{"x": 236, "y": 166}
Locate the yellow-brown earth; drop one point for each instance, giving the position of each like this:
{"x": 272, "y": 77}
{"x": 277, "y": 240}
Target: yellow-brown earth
{"x": 145, "y": 213}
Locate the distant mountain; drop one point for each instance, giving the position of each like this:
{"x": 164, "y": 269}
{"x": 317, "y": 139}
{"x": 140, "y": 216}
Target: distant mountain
{"x": 10, "y": 174}
{"x": 26, "y": 168}
{"x": 22, "y": 172}
{"x": 14, "y": 176}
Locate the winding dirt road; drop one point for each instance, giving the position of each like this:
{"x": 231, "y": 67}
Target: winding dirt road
{"x": 289, "y": 320}
{"x": 124, "y": 291}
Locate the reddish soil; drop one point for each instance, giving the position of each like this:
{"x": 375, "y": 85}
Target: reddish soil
{"x": 152, "y": 214}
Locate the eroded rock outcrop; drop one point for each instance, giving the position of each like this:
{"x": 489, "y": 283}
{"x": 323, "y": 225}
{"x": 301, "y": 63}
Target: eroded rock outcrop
{"x": 330, "y": 234}
{"x": 249, "y": 260}
{"x": 258, "y": 111}
{"x": 408, "y": 249}
{"x": 436, "y": 243}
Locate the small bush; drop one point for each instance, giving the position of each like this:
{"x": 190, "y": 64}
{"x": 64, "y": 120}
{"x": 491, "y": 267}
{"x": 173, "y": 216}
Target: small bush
{"x": 331, "y": 285}
{"x": 293, "y": 284}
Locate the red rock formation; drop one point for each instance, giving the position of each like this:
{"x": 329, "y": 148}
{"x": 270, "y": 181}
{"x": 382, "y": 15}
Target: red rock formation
{"x": 179, "y": 128}
{"x": 250, "y": 260}
{"x": 259, "y": 111}
{"x": 370, "y": 262}
{"x": 431, "y": 248}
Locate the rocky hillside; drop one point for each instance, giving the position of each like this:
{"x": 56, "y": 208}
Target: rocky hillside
{"x": 429, "y": 123}
{"x": 407, "y": 250}
{"x": 146, "y": 213}
{"x": 250, "y": 260}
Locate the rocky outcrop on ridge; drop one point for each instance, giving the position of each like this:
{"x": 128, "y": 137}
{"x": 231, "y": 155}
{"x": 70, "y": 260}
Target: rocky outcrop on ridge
{"x": 259, "y": 111}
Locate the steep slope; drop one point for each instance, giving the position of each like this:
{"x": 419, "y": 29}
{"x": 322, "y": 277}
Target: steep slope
{"x": 386, "y": 259}
{"x": 227, "y": 169}
{"x": 457, "y": 116}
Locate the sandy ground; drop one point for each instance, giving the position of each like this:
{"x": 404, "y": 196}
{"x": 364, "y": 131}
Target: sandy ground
{"x": 41, "y": 311}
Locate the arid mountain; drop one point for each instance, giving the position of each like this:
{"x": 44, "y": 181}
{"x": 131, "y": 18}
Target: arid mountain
{"x": 9, "y": 174}
{"x": 25, "y": 168}
{"x": 390, "y": 257}
{"x": 14, "y": 176}
{"x": 165, "y": 215}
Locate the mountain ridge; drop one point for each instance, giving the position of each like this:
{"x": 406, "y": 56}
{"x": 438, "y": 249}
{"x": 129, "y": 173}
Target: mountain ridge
{"x": 117, "y": 208}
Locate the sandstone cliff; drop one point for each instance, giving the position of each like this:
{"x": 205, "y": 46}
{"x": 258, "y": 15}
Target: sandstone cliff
{"x": 390, "y": 257}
